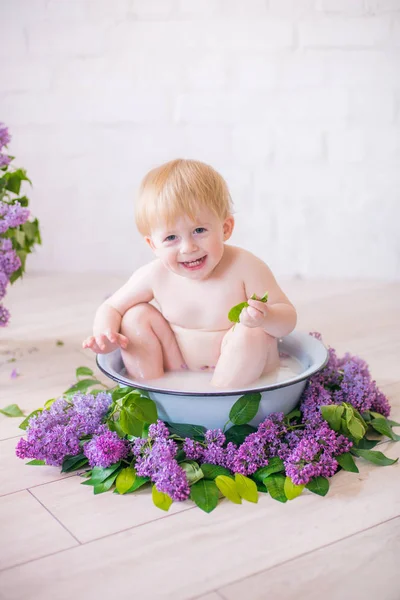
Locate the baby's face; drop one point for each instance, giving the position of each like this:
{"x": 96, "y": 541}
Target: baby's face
{"x": 192, "y": 249}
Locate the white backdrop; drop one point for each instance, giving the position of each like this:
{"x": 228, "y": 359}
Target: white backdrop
{"x": 295, "y": 102}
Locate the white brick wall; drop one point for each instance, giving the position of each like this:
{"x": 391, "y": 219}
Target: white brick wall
{"x": 296, "y": 102}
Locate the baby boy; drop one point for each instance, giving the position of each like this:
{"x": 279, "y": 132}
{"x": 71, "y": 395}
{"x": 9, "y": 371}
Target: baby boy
{"x": 172, "y": 314}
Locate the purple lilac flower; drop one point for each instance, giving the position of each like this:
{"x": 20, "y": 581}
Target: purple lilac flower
{"x": 105, "y": 449}
{"x": 315, "y": 454}
{"x": 4, "y": 316}
{"x": 82, "y": 415}
{"x": 308, "y": 460}
{"x": 193, "y": 450}
{"x": 214, "y": 436}
{"x": 9, "y": 262}
{"x": 357, "y": 388}
{"x": 3, "y": 284}
{"x": 5, "y": 244}
{"x": 158, "y": 431}
{"x": 151, "y": 457}
{"x": 4, "y": 160}
{"x": 171, "y": 479}
{"x": 5, "y": 137}
{"x": 157, "y": 461}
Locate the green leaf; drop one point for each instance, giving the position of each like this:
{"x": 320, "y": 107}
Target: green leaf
{"x": 292, "y": 490}
{"x": 80, "y": 371}
{"x": 261, "y": 487}
{"x": 24, "y": 424}
{"x": 205, "y": 494}
{"x": 382, "y": 426}
{"x": 104, "y": 486}
{"x": 160, "y": 499}
{"x": 294, "y": 414}
{"x": 120, "y": 392}
{"x": 138, "y": 483}
{"x": 99, "y": 474}
{"x": 130, "y": 424}
{"x": 275, "y": 465}
{"x": 354, "y": 422}
{"x": 148, "y": 409}
{"x": 48, "y": 403}
{"x": 332, "y": 413}
{"x": 183, "y": 430}
{"x": 366, "y": 444}
{"x": 12, "y": 410}
{"x": 192, "y": 470}
{"x": 59, "y": 343}
{"x": 36, "y": 462}
{"x": 245, "y": 408}
{"x": 212, "y": 471}
{"x": 125, "y": 479}
{"x": 82, "y": 386}
{"x": 389, "y": 421}
{"x": 227, "y": 487}
{"x": 23, "y": 200}
{"x": 142, "y": 408}
{"x": 275, "y": 486}
{"x": 15, "y": 179}
{"x": 346, "y": 461}
{"x": 319, "y": 485}
{"x": 73, "y": 463}
{"x": 378, "y": 458}
{"x": 238, "y": 433}
{"x": 246, "y": 487}
{"x": 234, "y": 313}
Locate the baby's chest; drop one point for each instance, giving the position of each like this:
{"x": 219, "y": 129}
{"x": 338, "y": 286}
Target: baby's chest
{"x": 200, "y": 308}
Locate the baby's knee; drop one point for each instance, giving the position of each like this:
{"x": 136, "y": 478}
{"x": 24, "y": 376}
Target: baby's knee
{"x": 137, "y": 316}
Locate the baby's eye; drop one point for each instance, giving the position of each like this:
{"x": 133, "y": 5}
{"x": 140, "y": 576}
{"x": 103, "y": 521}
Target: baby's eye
{"x": 200, "y": 230}
{"x": 170, "y": 238}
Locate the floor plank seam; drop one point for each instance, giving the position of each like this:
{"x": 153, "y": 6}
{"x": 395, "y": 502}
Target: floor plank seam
{"x": 54, "y": 517}
{"x": 31, "y": 487}
{"x": 13, "y": 437}
{"x": 81, "y": 544}
{"x": 285, "y": 562}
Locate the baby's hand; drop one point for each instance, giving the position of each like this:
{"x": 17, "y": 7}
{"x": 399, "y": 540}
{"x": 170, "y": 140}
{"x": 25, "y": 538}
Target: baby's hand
{"x": 255, "y": 314}
{"x": 105, "y": 342}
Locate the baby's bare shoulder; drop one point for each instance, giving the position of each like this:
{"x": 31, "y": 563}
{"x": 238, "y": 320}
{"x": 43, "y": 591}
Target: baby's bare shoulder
{"x": 245, "y": 259}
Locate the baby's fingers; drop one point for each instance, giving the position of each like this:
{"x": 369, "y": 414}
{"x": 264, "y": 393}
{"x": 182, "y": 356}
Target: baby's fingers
{"x": 90, "y": 343}
{"x": 122, "y": 340}
{"x": 101, "y": 341}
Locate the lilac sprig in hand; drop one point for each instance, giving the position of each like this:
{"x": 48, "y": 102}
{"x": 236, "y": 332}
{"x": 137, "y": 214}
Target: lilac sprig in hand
{"x": 256, "y": 313}
{"x": 235, "y": 314}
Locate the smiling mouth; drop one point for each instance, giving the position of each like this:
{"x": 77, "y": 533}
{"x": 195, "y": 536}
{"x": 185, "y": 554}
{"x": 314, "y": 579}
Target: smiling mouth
{"x": 194, "y": 264}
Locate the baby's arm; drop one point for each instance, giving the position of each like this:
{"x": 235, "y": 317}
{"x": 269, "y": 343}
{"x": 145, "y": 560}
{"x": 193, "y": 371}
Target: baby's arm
{"x": 107, "y": 322}
{"x": 278, "y": 316}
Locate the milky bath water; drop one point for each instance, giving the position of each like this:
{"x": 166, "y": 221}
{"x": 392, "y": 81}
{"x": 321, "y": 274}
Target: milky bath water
{"x": 200, "y": 381}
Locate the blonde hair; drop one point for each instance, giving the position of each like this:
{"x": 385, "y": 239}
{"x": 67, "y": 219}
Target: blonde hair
{"x": 180, "y": 187}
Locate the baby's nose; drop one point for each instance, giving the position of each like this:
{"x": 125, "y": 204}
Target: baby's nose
{"x": 188, "y": 246}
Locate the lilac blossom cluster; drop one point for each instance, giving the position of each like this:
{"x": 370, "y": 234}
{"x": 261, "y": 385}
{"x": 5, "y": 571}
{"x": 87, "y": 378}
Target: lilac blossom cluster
{"x": 306, "y": 445}
{"x": 344, "y": 379}
{"x": 155, "y": 458}
{"x": 11, "y": 216}
{"x": 54, "y": 434}
{"x": 4, "y": 141}
{"x": 308, "y": 449}
{"x": 105, "y": 448}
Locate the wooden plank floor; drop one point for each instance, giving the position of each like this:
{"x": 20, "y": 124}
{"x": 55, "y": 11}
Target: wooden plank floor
{"x": 57, "y": 539}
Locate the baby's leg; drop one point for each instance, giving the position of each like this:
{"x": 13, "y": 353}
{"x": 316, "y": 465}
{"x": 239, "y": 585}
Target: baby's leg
{"x": 152, "y": 347}
{"x": 246, "y": 354}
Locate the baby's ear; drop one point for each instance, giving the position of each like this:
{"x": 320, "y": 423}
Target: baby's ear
{"x": 150, "y": 242}
{"x": 228, "y": 226}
